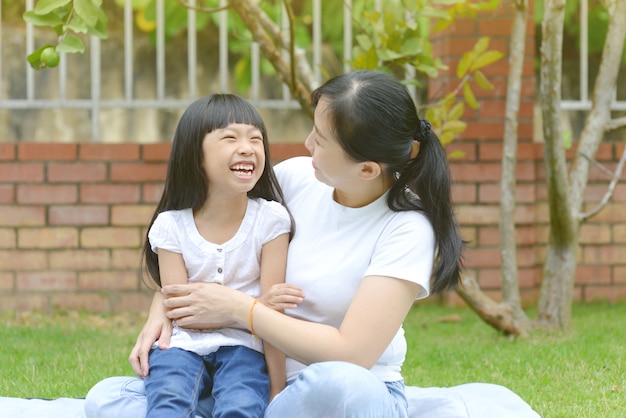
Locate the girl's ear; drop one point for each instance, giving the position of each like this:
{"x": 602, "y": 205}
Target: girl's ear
{"x": 370, "y": 170}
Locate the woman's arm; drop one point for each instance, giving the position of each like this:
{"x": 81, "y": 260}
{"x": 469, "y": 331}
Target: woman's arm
{"x": 273, "y": 266}
{"x": 373, "y": 318}
{"x": 157, "y": 327}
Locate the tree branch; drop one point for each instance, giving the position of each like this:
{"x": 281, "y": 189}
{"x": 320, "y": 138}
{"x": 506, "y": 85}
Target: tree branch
{"x": 609, "y": 193}
{"x": 614, "y": 124}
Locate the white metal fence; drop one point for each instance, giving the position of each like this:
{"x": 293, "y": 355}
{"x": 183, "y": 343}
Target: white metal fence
{"x": 95, "y": 103}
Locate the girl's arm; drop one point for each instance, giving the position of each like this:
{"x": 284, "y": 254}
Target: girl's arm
{"x": 273, "y": 265}
{"x": 376, "y": 313}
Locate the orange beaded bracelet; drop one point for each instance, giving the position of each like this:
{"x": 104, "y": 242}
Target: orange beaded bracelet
{"x": 250, "y": 319}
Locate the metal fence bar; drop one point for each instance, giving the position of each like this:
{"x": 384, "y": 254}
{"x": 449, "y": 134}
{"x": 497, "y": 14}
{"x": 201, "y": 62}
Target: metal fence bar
{"x": 223, "y": 47}
{"x": 94, "y": 49}
{"x": 584, "y": 51}
{"x": 30, "y": 47}
{"x": 128, "y": 50}
{"x": 160, "y": 52}
{"x": 192, "y": 60}
{"x": 347, "y": 34}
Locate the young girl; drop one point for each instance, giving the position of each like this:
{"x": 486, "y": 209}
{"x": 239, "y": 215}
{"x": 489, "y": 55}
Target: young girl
{"x": 219, "y": 220}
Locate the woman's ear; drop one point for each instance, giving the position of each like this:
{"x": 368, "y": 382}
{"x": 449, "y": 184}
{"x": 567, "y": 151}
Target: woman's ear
{"x": 370, "y": 170}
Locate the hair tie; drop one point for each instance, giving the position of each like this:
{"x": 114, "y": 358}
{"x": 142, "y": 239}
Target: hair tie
{"x": 423, "y": 129}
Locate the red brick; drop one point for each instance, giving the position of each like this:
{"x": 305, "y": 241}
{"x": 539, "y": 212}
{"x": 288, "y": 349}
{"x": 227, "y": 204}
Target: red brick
{"x": 7, "y": 152}
{"x": 23, "y": 260}
{"x": 488, "y": 236}
{"x": 126, "y": 215}
{"x": 490, "y": 278}
{"x": 151, "y": 193}
{"x": 133, "y": 302}
{"x": 51, "y": 238}
{"x": 46, "y": 194}
{"x": 21, "y": 172}
{"x": 459, "y": 151}
{"x": 484, "y": 172}
{"x": 22, "y": 215}
{"x": 619, "y": 275}
{"x": 604, "y": 254}
{"x": 109, "y": 152}
{"x": 128, "y": 172}
{"x": 483, "y": 257}
{"x": 592, "y": 274}
{"x": 478, "y": 214}
{"x": 109, "y": 193}
{"x": 110, "y": 237}
{"x": 36, "y": 151}
{"x": 46, "y": 281}
{"x": 469, "y": 234}
{"x": 283, "y": 151}
{"x": 77, "y": 172}
{"x": 618, "y": 232}
{"x": 463, "y": 193}
{"x": 7, "y": 238}
{"x": 81, "y": 302}
{"x": 593, "y": 233}
{"x": 604, "y": 293}
{"x": 7, "y": 282}
{"x": 7, "y": 193}
{"x": 122, "y": 258}
{"x": 80, "y": 259}
{"x": 529, "y": 276}
{"x": 24, "y": 303}
{"x": 108, "y": 280}
{"x": 78, "y": 215}
{"x": 156, "y": 152}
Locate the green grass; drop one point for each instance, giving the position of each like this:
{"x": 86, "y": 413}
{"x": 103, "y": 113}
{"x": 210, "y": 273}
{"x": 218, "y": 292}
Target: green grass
{"x": 582, "y": 374}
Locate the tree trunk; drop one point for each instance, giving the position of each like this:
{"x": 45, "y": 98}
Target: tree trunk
{"x": 554, "y": 303}
{"x": 507, "y": 316}
{"x": 566, "y": 199}
{"x": 508, "y": 246}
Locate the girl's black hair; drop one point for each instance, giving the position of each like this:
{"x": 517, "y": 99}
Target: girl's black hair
{"x": 186, "y": 184}
{"x": 375, "y": 119}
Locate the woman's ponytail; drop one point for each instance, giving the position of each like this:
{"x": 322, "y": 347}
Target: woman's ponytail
{"x": 428, "y": 176}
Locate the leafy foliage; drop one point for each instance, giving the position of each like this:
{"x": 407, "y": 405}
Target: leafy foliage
{"x": 68, "y": 19}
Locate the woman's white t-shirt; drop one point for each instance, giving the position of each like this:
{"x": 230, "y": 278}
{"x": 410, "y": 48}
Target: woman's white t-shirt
{"x": 235, "y": 263}
{"x": 335, "y": 247}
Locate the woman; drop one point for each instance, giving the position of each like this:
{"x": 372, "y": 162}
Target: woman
{"x": 375, "y": 230}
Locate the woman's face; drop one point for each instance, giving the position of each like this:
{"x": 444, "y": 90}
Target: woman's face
{"x": 331, "y": 163}
{"x": 234, "y": 158}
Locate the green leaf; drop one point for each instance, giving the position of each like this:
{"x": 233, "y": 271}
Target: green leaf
{"x": 485, "y": 59}
{"x": 469, "y": 96}
{"x": 457, "y": 111}
{"x": 87, "y": 10}
{"x": 71, "y": 44}
{"x": 50, "y": 19}
{"x": 482, "y": 81}
{"x": 77, "y": 24}
{"x": 455, "y": 127}
{"x": 464, "y": 64}
{"x": 481, "y": 45}
{"x": 43, "y": 7}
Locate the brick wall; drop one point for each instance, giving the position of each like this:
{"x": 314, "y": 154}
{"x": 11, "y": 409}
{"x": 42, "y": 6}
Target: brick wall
{"x": 73, "y": 216}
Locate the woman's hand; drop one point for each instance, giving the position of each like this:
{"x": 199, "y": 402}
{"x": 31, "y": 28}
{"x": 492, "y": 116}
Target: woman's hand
{"x": 198, "y": 305}
{"x": 157, "y": 327}
{"x": 282, "y": 296}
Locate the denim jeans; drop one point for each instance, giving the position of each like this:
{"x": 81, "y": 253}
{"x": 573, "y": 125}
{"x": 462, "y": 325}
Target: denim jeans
{"x": 325, "y": 390}
{"x": 235, "y": 376}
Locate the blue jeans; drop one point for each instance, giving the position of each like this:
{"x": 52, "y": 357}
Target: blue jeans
{"x": 324, "y": 390}
{"x": 235, "y": 376}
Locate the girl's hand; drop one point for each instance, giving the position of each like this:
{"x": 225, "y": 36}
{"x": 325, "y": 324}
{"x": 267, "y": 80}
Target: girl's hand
{"x": 282, "y": 296}
{"x": 158, "y": 326}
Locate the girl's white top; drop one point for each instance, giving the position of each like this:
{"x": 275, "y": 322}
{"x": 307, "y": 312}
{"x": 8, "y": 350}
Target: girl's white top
{"x": 235, "y": 263}
{"x": 335, "y": 247}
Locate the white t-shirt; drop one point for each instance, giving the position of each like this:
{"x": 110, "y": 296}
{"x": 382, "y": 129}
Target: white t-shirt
{"x": 235, "y": 263}
{"x": 335, "y": 247}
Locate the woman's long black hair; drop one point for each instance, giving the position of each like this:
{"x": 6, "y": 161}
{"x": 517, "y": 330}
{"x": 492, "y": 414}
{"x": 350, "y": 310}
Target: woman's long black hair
{"x": 375, "y": 119}
{"x": 186, "y": 184}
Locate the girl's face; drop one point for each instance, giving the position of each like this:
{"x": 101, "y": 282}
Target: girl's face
{"x": 331, "y": 163}
{"x": 234, "y": 158}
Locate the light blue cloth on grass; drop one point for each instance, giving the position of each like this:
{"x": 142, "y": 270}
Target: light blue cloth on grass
{"x": 471, "y": 400}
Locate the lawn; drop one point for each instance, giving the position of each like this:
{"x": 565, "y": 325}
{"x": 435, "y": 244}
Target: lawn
{"x": 579, "y": 375}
